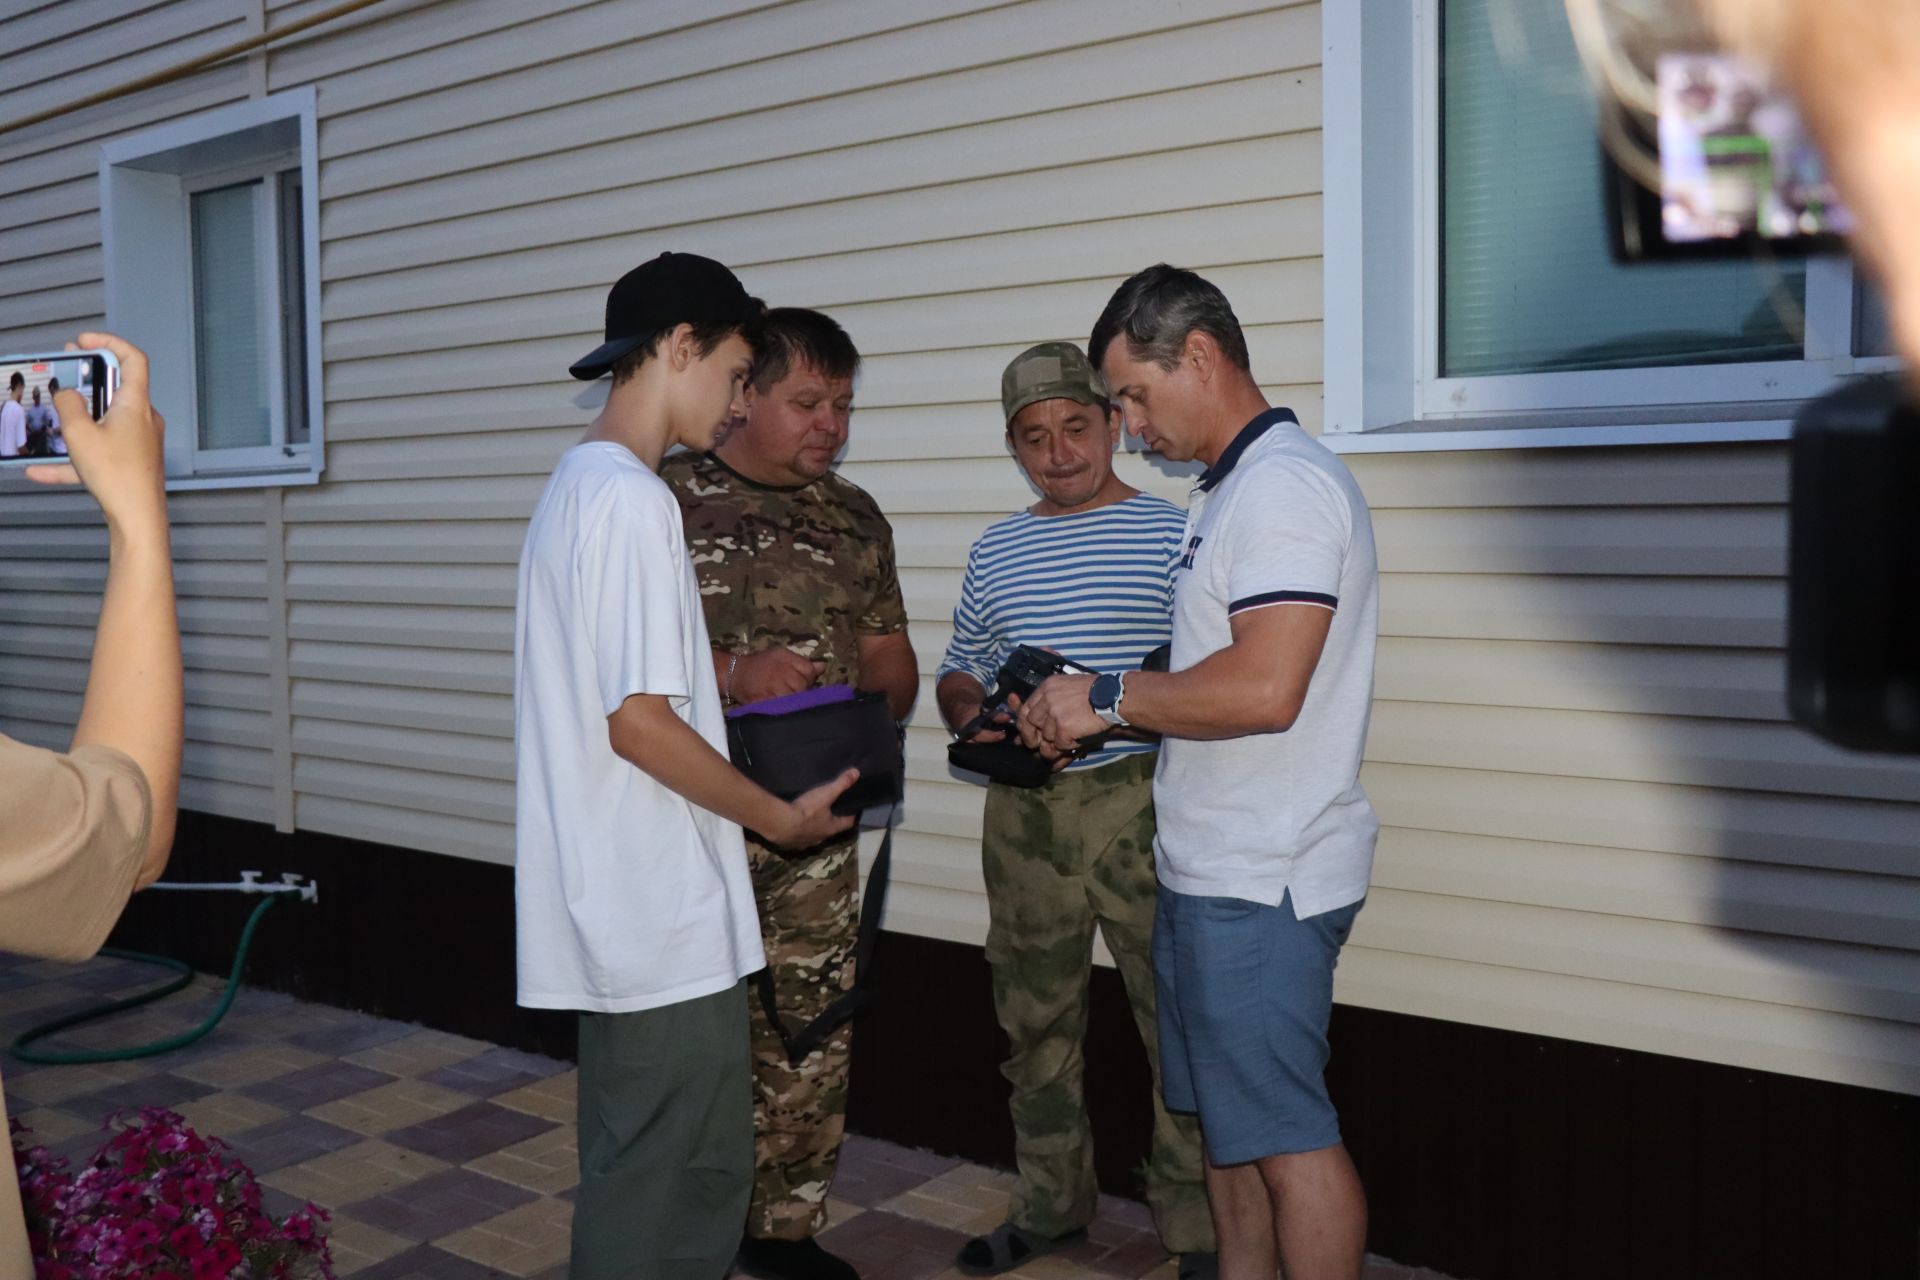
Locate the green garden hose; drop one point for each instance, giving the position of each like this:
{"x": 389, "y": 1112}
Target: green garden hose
{"x": 184, "y": 976}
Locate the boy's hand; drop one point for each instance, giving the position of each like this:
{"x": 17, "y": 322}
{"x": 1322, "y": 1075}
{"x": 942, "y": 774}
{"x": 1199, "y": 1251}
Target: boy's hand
{"x": 811, "y": 819}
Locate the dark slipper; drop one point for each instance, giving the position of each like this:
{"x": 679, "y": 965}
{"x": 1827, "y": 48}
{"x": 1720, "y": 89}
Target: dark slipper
{"x": 1008, "y": 1247}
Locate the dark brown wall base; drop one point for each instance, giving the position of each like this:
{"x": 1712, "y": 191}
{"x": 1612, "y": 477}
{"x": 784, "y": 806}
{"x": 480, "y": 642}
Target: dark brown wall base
{"x": 1487, "y": 1155}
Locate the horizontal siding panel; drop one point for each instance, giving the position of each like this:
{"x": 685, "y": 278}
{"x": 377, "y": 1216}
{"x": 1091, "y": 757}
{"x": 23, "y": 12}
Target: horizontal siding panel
{"x": 752, "y": 116}
{"x": 121, "y": 52}
{"x": 594, "y": 86}
{"x": 1760, "y": 1036}
{"x": 454, "y": 834}
{"x": 434, "y": 216}
{"x": 1276, "y": 293}
{"x": 1255, "y": 169}
{"x": 227, "y": 799}
{"x": 223, "y": 762}
{"x": 1678, "y": 475}
{"x": 1694, "y": 541}
{"x": 477, "y": 715}
{"x": 398, "y": 787}
{"x": 1745, "y": 684}
{"x": 1716, "y": 893}
{"x": 1652, "y": 954}
{"x": 423, "y": 626}
{"x": 1730, "y": 612}
{"x": 464, "y": 585}
{"x": 448, "y": 499}
{"x": 437, "y": 668}
{"x": 409, "y": 751}
{"x": 361, "y": 312}
{"x": 1784, "y": 829}
{"x": 197, "y": 616}
{"x": 1730, "y": 754}
{"x": 376, "y": 58}
{"x": 397, "y": 542}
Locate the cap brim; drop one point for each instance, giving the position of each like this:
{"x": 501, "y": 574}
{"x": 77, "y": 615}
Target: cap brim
{"x": 1079, "y": 393}
{"x": 603, "y": 358}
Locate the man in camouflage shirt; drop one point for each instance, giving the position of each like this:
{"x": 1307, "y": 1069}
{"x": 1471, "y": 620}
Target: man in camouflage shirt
{"x": 797, "y": 577}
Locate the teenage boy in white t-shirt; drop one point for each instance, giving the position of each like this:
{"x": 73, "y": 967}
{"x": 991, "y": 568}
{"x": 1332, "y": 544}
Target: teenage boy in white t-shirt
{"x": 633, "y": 897}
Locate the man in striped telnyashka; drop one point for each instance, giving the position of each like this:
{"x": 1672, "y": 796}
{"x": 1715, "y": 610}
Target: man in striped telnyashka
{"x": 1086, "y": 571}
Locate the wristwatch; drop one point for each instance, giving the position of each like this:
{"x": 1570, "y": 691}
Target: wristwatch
{"x": 1105, "y": 695}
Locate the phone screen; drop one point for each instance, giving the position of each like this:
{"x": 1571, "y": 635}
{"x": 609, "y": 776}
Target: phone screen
{"x": 1737, "y": 169}
{"x": 30, "y": 426}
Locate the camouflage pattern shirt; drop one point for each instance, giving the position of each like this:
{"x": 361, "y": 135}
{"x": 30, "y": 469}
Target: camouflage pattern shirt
{"x": 809, "y": 567}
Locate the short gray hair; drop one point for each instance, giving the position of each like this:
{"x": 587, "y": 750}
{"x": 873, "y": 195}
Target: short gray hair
{"x": 1157, "y": 308}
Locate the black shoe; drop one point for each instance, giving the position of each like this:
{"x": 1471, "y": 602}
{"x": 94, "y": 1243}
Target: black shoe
{"x": 1199, "y": 1266}
{"x": 791, "y": 1260}
{"x": 1008, "y": 1247}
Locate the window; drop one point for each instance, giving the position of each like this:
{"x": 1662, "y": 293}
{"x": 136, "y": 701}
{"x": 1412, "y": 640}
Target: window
{"x": 1471, "y": 297}
{"x": 212, "y": 263}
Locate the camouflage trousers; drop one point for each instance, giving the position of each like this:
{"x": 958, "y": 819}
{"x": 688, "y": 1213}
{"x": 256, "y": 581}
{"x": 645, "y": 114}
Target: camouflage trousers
{"x": 1060, "y": 859}
{"x": 809, "y": 917}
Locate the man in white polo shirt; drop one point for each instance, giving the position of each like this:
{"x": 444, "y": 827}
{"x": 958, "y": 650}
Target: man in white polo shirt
{"x": 1265, "y": 840}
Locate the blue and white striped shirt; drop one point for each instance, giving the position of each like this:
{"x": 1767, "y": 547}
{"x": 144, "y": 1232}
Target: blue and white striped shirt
{"x": 1096, "y": 586}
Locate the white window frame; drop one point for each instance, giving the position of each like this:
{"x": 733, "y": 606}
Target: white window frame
{"x": 147, "y": 181}
{"x": 1384, "y": 391}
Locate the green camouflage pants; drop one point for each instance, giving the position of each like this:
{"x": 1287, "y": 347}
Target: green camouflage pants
{"x": 809, "y": 917}
{"x": 1060, "y": 858}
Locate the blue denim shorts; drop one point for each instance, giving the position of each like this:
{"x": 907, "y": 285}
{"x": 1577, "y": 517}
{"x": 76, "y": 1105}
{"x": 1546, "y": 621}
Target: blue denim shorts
{"x": 1245, "y": 992}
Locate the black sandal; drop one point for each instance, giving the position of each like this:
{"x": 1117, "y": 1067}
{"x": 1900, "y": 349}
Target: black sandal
{"x": 1009, "y": 1247}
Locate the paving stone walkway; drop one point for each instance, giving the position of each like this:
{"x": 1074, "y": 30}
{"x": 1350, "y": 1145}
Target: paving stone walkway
{"x": 446, "y": 1158}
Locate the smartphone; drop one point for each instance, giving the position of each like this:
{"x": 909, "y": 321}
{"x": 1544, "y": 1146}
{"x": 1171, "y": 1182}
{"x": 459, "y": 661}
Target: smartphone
{"x": 1737, "y": 170}
{"x": 32, "y": 432}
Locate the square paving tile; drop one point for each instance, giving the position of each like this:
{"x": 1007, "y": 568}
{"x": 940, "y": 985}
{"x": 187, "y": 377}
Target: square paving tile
{"x": 317, "y": 1085}
{"x": 279, "y": 1143}
{"x": 367, "y": 1168}
{"x": 439, "y": 1204}
{"x": 556, "y": 1098}
{"x": 885, "y": 1246}
{"x": 425, "y": 1262}
{"x": 549, "y": 1163}
{"x": 392, "y": 1106}
{"x": 418, "y": 1053}
{"x": 470, "y": 1132}
{"x": 249, "y": 1065}
{"x": 161, "y": 1089}
{"x": 220, "y": 1114}
{"x": 521, "y": 1242}
{"x": 356, "y": 1246}
{"x": 495, "y": 1071}
{"x": 53, "y": 1084}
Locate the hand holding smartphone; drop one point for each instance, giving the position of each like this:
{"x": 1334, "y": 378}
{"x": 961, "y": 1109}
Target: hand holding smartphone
{"x": 114, "y": 441}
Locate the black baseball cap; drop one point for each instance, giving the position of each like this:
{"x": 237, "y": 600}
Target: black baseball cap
{"x": 672, "y": 289}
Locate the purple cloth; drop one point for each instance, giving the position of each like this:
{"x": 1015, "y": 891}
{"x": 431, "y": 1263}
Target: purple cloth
{"x": 787, "y": 703}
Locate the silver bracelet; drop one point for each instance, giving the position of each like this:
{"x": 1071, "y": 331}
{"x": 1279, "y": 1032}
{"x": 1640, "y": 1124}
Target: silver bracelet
{"x": 726, "y": 690}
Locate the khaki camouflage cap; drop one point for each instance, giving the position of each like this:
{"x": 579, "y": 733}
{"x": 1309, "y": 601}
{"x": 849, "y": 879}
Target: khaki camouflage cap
{"x": 1050, "y": 371}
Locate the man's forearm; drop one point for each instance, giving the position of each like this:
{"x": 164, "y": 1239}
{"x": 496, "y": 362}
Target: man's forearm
{"x": 134, "y": 701}
{"x": 958, "y": 696}
{"x": 1229, "y": 694}
{"x": 895, "y": 673}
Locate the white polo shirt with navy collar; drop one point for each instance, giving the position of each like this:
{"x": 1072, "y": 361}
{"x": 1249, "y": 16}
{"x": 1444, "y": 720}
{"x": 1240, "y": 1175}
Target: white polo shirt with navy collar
{"x": 1277, "y": 520}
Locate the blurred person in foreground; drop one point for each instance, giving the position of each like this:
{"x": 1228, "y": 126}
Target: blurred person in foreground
{"x": 1854, "y": 68}
{"x": 80, "y": 831}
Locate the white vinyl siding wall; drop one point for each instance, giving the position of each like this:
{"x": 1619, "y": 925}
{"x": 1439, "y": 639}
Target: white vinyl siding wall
{"x": 1597, "y": 822}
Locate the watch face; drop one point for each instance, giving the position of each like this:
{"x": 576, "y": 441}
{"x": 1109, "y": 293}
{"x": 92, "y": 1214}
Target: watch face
{"x": 1105, "y": 692}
